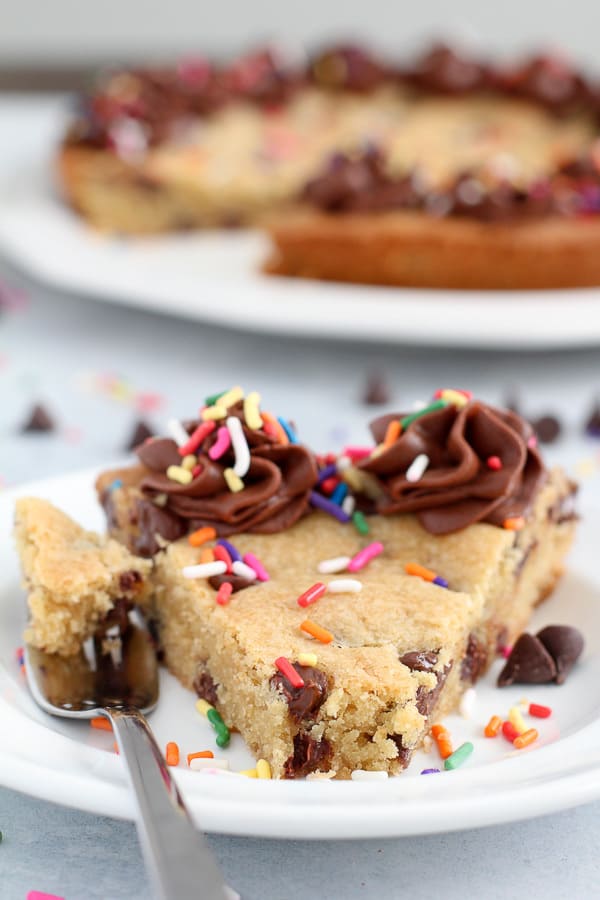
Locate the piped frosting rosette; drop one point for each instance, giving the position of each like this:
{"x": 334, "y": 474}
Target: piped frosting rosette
{"x": 235, "y": 469}
{"x": 476, "y": 464}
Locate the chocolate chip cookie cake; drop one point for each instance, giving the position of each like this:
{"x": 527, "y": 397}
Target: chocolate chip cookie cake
{"x": 332, "y": 608}
{"x": 446, "y": 172}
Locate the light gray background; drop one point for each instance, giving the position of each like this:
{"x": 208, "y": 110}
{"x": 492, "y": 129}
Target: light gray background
{"x": 63, "y": 30}
{"x": 47, "y": 350}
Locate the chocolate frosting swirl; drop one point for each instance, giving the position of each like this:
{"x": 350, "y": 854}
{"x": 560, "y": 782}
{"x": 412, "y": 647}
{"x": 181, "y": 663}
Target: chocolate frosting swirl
{"x": 276, "y": 488}
{"x": 458, "y": 488}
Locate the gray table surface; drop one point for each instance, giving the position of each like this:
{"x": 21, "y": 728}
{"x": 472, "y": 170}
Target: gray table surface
{"x": 59, "y": 350}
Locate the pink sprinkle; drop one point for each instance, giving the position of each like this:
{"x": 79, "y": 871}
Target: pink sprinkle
{"x": 494, "y": 462}
{"x": 146, "y": 401}
{"x": 505, "y": 652}
{"x": 356, "y": 453}
{"x": 222, "y": 443}
{"x": 251, "y": 560}
{"x": 532, "y": 442}
{"x": 39, "y": 895}
{"x": 365, "y": 556}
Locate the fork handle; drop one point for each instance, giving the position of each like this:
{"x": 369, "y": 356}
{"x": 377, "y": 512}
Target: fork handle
{"x": 177, "y": 857}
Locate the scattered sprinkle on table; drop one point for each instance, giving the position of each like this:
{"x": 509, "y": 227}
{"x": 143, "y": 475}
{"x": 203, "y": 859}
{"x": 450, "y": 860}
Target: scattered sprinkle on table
{"x": 467, "y": 703}
{"x": 430, "y": 771}
{"x": 263, "y": 770}
{"x": 442, "y": 738}
{"x": 223, "y": 735}
{"x": 540, "y": 712}
{"x": 172, "y": 754}
{"x": 200, "y": 754}
{"x": 516, "y": 719}
{"x": 524, "y": 740}
{"x": 509, "y": 731}
{"x": 492, "y": 729}
{"x": 200, "y": 763}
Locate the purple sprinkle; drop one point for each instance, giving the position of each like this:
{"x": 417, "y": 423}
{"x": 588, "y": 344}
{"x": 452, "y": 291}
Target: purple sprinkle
{"x": 441, "y": 582}
{"x": 327, "y": 472}
{"x": 327, "y": 506}
{"x": 430, "y": 772}
{"x": 235, "y": 554}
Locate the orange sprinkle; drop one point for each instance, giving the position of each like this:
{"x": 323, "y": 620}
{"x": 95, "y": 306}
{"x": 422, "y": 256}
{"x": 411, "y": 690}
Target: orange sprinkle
{"x": 392, "y": 433}
{"x": 202, "y": 754}
{"x": 492, "y": 729}
{"x": 172, "y": 754}
{"x": 421, "y": 571}
{"x": 116, "y": 747}
{"x": 202, "y": 535}
{"x": 321, "y": 634}
{"x": 270, "y": 419}
{"x": 515, "y": 523}
{"x": 525, "y": 739}
{"x": 443, "y": 740}
{"x": 207, "y": 555}
{"x": 102, "y": 723}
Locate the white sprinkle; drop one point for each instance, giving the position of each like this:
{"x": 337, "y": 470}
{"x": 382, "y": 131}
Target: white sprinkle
{"x": 177, "y": 432}
{"x": 202, "y": 762}
{"x": 467, "y": 703}
{"x": 363, "y": 775}
{"x": 240, "y": 568}
{"x": 344, "y": 586}
{"x": 240, "y": 446}
{"x": 417, "y": 468}
{"x": 343, "y": 462}
{"x": 348, "y": 504}
{"x": 337, "y": 564}
{"x": 205, "y": 570}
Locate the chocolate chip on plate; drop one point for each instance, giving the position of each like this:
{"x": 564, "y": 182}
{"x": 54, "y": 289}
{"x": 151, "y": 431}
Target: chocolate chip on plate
{"x": 141, "y": 432}
{"x": 564, "y": 644}
{"x": 39, "y": 419}
{"x": 529, "y": 663}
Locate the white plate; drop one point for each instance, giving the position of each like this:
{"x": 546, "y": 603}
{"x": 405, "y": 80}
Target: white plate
{"x": 70, "y": 763}
{"x": 214, "y": 277}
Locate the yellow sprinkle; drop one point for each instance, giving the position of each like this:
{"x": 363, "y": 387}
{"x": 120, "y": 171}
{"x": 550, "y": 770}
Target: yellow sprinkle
{"x": 189, "y": 461}
{"x": 377, "y": 451}
{"x": 203, "y": 706}
{"x": 353, "y": 478}
{"x": 307, "y": 659}
{"x": 516, "y": 719}
{"x": 234, "y": 395}
{"x": 234, "y": 482}
{"x": 211, "y": 413}
{"x": 249, "y": 773}
{"x": 263, "y": 769}
{"x": 454, "y": 397}
{"x": 179, "y": 474}
{"x": 251, "y": 411}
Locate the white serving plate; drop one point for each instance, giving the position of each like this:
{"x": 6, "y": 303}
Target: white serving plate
{"x": 71, "y": 763}
{"x": 215, "y": 277}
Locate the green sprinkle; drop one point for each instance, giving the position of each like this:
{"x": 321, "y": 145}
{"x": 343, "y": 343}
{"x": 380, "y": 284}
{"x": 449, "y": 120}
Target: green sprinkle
{"x": 360, "y": 523}
{"x": 459, "y": 756}
{"x": 223, "y": 736}
{"x": 210, "y": 401}
{"x": 214, "y": 718}
{"x": 408, "y": 420}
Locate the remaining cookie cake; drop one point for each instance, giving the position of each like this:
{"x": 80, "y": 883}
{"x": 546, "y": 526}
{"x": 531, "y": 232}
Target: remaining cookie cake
{"x": 363, "y": 170}
{"x": 73, "y": 577}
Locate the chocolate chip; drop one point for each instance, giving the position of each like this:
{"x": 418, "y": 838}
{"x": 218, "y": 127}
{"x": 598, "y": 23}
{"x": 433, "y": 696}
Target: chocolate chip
{"x": 404, "y": 754}
{"x": 237, "y": 582}
{"x": 117, "y": 616}
{"x": 129, "y": 580}
{"x": 377, "y": 391}
{"x": 475, "y": 660}
{"x": 547, "y": 429}
{"x": 304, "y": 701}
{"x": 528, "y": 663}
{"x": 141, "y": 432}
{"x": 153, "y": 521}
{"x": 308, "y": 755}
{"x": 204, "y": 685}
{"x": 39, "y": 420}
{"x": 420, "y": 660}
{"x": 158, "y": 454}
{"x": 426, "y": 699}
{"x": 592, "y": 425}
{"x": 564, "y": 644}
